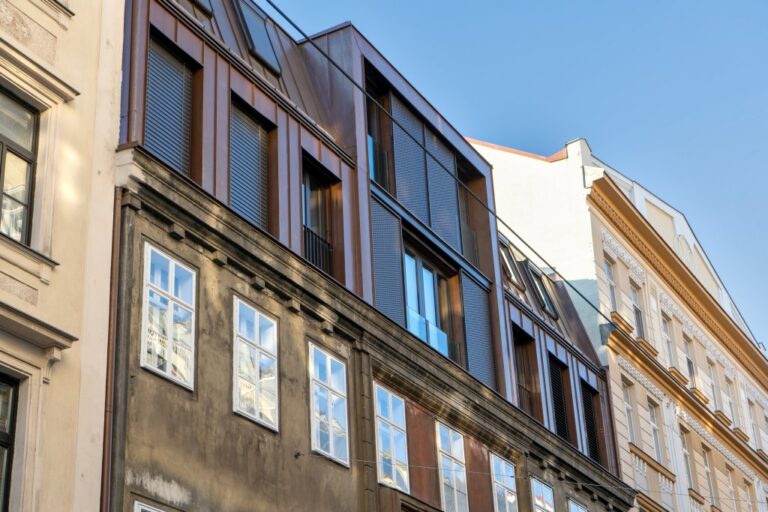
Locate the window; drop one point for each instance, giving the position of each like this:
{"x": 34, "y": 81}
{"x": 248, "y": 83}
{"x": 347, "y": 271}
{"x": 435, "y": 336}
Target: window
{"x": 168, "y": 119}
{"x": 168, "y": 332}
{"x": 256, "y": 387}
{"x": 426, "y": 301}
{"x": 592, "y": 418}
{"x": 453, "y": 474}
{"x": 8, "y": 400}
{"x": 259, "y": 42}
{"x": 543, "y": 498}
{"x": 755, "y": 429}
{"x": 248, "y": 166}
{"x": 328, "y": 377}
{"x": 509, "y": 266}
{"x": 729, "y": 402}
{"x": 574, "y": 506}
{"x": 637, "y": 310}
{"x": 316, "y": 215}
{"x": 731, "y": 488}
{"x": 526, "y": 372}
{"x": 714, "y": 385}
{"x": 504, "y": 485}
{"x": 466, "y": 209}
{"x": 379, "y": 129}
{"x": 545, "y": 300}
{"x": 628, "y": 410}
{"x": 18, "y": 146}
{"x": 686, "y": 457}
{"x": 669, "y": 344}
{"x": 561, "y": 396}
{"x": 609, "y": 277}
{"x": 141, "y": 507}
{"x": 391, "y": 440}
{"x": 748, "y": 496}
{"x": 689, "y": 361}
{"x": 653, "y": 413}
{"x": 707, "y": 455}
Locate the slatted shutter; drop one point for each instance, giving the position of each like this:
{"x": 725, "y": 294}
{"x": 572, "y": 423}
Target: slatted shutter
{"x": 588, "y": 397}
{"x": 443, "y": 197}
{"x": 477, "y": 326}
{"x": 248, "y": 167}
{"x": 168, "y": 120}
{"x": 410, "y": 163}
{"x": 559, "y": 407}
{"x": 387, "y": 262}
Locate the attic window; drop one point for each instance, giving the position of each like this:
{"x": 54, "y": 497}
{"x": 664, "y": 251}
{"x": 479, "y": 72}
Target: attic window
{"x": 542, "y": 294}
{"x": 205, "y": 5}
{"x": 259, "y": 43}
{"x": 509, "y": 264}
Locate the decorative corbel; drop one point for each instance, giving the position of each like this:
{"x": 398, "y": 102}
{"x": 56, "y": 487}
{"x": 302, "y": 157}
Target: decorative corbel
{"x": 52, "y": 356}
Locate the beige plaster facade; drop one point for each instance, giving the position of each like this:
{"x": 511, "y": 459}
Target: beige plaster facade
{"x": 61, "y": 59}
{"x": 687, "y": 377}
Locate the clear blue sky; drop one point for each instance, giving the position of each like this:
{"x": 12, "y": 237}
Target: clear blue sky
{"x": 673, "y": 94}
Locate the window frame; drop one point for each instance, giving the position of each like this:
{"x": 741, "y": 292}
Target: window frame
{"x": 686, "y": 455}
{"x": 610, "y": 277}
{"x": 542, "y": 293}
{"x": 455, "y": 461}
{"x": 328, "y": 387}
{"x": 30, "y": 156}
{"x": 667, "y": 333}
{"x": 139, "y": 506}
{"x": 573, "y": 504}
{"x": 8, "y": 440}
{"x": 496, "y": 484}
{"x": 534, "y": 506}
{"x": 706, "y": 455}
{"x": 629, "y": 409}
{"x": 146, "y": 287}
{"x": 509, "y": 265}
{"x": 635, "y": 295}
{"x": 714, "y": 386}
{"x": 392, "y": 425}
{"x": 690, "y": 360}
{"x": 236, "y": 340}
{"x": 654, "y": 411}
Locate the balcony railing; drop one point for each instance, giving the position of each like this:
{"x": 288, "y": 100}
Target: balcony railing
{"x": 428, "y": 332}
{"x": 317, "y": 250}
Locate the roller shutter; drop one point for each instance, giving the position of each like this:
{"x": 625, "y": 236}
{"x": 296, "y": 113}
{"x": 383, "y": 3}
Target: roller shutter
{"x": 443, "y": 197}
{"x": 387, "y": 263}
{"x": 248, "y": 167}
{"x": 559, "y": 406}
{"x": 477, "y": 325}
{"x": 410, "y": 163}
{"x": 168, "y": 120}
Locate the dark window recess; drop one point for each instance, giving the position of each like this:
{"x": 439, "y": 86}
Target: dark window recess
{"x": 542, "y": 294}
{"x": 477, "y": 326}
{"x": 379, "y": 138}
{"x": 168, "y": 121}
{"x": 526, "y": 372}
{"x": 248, "y": 167}
{"x": 590, "y": 399}
{"x": 18, "y": 146}
{"x": 558, "y": 374}
{"x": 316, "y": 215}
{"x": 259, "y": 42}
{"x": 8, "y": 399}
{"x": 387, "y": 262}
{"x": 468, "y": 234}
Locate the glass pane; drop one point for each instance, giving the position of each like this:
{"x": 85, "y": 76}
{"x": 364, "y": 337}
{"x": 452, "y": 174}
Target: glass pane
{"x": 501, "y": 498}
{"x": 3, "y": 471}
{"x": 462, "y": 503}
{"x": 411, "y": 284}
{"x": 430, "y": 303}
{"x": 385, "y": 438}
{"x": 400, "y": 447}
{"x": 157, "y": 331}
{"x": 322, "y": 421}
{"x": 267, "y": 334}
{"x": 460, "y": 478}
{"x": 13, "y": 219}
{"x": 182, "y": 363}
{"x": 247, "y": 361}
{"x": 246, "y": 322}
{"x": 6, "y": 407}
{"x": 16, "y": 122}
{"x": 16, "y": 178}
{"x": 385, "y": 452}
{"x": 511, "y": 502}
{"x": 339, "y": 413}
{"x": 338, "y": 377}
{"x": 382, "y": 403}
{"x": 450, "y": 499}
{"x": 182, "y": 326}
{"x": 268, "y": 389}
{"x": 457, "y": 445}
{"x": 398, "y": 411}
{"x": 445, "y": 438}
{"x": 247, "y": 397}
{"x": 159, "y": 270}
{"x": 320, "y": 365}
{"x": 183, "y": 281}
{"x": 401, "y": 476}
{"x": 340, "y": 446}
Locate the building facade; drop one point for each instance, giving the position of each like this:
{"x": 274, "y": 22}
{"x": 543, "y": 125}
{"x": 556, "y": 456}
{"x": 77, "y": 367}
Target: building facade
{"x": 314, "y": 310}
{"x": 58, "y": 61}
{"x": 688, "y": 379}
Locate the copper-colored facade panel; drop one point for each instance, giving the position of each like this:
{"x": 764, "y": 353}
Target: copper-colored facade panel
{"x": 422, "y": 455}
{"x": 478, "y": 478}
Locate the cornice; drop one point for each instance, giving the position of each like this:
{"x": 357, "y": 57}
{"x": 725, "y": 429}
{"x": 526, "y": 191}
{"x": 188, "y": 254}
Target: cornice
{"x": 629, "y": 223}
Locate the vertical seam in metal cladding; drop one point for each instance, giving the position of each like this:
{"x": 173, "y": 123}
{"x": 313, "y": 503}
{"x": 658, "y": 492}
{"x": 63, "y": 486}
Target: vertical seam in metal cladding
{"x": 248, "y": 168}
{"x": 387, "y": 262}
{"x": 168, "y": 124}
{"x": 478, "y": 332}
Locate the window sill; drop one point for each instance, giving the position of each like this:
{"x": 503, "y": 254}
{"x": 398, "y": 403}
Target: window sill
{"x": 272, "y": 428}
{"x": 331, "y": 458}
{"x": 652, "y": 462}
{"x": 173, "y": 380}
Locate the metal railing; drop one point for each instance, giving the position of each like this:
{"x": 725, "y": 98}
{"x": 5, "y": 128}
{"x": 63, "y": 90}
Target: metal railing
{"x": 317, "y": 250}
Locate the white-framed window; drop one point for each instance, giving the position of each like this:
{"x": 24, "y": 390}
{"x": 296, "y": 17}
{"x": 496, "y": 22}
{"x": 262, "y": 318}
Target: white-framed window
{"x": 628, "y": 410}
{"x": 730, "y": 403}
{"x": 141, "y": 507}
{"x": 611, "y": 280}
{"x": 707, "y": 456}
{"x": 391, "y": 439}
{"x": 255, "y": 388}
{"x": 543, "y": 497}
{"x": 328, "y": 396}
{"x": 755, "y": 429}
{"x": 686, "y": 456}
{"x": 504, "y": 485}
{"x": 637, "y": 309}
{"x": 714, "y": 385}
{"x": 732, "y": 488}
{"x": 453, "y": 473}
{"x": 669, "y": 344}
{"x": 689, "y": 361}
{"x": 575, "y": 506}
{"x": 748, "y": 497}
{"x": 653, "y": 414}
{"x": 168, "y": 318}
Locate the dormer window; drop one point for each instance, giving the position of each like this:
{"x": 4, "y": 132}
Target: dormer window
{"x": 542, "y": 293}
{"x": 509, "y": 266}
{"x": 259, "y": 43}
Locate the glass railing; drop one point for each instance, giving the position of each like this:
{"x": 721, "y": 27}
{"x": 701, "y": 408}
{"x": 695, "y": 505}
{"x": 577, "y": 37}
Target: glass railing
{"x": 431, "y": 334}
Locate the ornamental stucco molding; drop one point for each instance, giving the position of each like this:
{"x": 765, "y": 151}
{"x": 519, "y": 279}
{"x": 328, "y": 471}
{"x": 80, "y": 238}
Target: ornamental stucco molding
{"x": 640, "y": 377}
{"x": 616, "y": 251}
{"x": 756, "y": 396}
{"x": 711, "y": 441}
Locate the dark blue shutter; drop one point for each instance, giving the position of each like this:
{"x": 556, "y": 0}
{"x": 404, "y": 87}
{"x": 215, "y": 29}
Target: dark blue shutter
{"x": 443, "y": 198}
{"x": 387, "y": 262}
{"x": 410, "y": 162}
{"x": 248, "y": 167}
{"x": 168, "y": 120}
{"x": 477, "y": 328}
